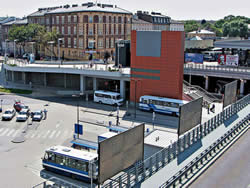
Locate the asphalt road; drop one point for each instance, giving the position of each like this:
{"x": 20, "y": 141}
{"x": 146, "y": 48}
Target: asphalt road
{"x": 231, "y": 170}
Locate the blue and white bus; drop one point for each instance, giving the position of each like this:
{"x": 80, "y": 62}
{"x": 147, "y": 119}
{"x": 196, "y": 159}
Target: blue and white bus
{"x": 161, "y": 104}
{"x": 71, "y": 162}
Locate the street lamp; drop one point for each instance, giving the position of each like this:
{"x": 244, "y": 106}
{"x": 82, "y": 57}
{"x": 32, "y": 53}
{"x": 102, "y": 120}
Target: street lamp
{"x": 77, "y": 114}
{"x": 51, "y": 46}
{"x": 59, "y": 42}
{"x": 15, "y": 50}
{"x": 5, "y": 54}
{"x": 117, "y": 117}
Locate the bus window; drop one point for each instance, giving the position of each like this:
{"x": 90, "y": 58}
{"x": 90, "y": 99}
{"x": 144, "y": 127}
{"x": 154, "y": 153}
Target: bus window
{"x": 175, "y": 105}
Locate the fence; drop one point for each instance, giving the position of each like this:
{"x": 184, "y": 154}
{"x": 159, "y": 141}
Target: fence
{"x": 144, "y": 169}
{"x": 217, "y": 68}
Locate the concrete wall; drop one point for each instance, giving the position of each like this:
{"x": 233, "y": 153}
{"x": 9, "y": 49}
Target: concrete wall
{"x": 73, "y": 81}
{"x": 55, "y": 80}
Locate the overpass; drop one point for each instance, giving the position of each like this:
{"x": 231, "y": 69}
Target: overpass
{"x": 238, "y": 73}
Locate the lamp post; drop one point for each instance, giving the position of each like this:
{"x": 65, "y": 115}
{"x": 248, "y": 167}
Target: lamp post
{"x": 117, "y": 117}
{"x": 153, "y": 120}
{"x": 59, "y": 42}
{"x": 135, "y": 96}
{"x": 15, "y": 50}
{"x": 5, "y": 54}
{"x": 51, "y": 46}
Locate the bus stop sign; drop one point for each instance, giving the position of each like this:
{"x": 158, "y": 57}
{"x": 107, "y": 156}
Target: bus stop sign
{"x": 78, "y": 129}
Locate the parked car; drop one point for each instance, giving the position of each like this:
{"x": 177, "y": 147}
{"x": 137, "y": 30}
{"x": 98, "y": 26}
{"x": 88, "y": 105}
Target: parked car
{"x": 8, "y": 114}
{"x": 18, "y": 106}
{"x": 37, "y": 115}
{"x": 23, "y": 115}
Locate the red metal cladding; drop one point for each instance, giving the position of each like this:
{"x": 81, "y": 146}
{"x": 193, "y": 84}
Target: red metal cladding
{"x": 170, "y": 64}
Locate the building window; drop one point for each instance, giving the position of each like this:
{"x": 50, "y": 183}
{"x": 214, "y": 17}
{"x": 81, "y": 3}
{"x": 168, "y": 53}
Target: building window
{"x": 91, "y": 44}
{"x": 53, "y": 20}
{"x": 69, "y": 42}
{"x": 100, "y": 29}
{"x": 100, "y": 43}
{"x": 62, "y": 30}
{"x": 80, "y": 43}
{"x": 122, "y": 20}
{"x": 107, "y": 30}
{"x": 112, "y": 19}
{"x": 111, "y": 43}
{"x": 74, "y": 30}
{"x": 69, "y": 19}
{"x": 57, "y": 19}
{"x": 74, "y": 42}
{"x": 75, "y": 18}
{"x": 112, "y": 29}
{"x": 63, "y": 42}
{"x": 107, "y": 42}
{"x": 47, "y": 21}
{"x": 62, "y": 19}
{"x": 116, "y": 30}
{"x": 90, "y": 19}
{"x": 69, "y": 30}
{"x": 100, "y": 19}
{"x": 122, "y": 29}
{"x": 80, "y": 30}
{"x": 90, "y": 30}
{"x": 57, "y": 29}
{"x": 47, "y": 28}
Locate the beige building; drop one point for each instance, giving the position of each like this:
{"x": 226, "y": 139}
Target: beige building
{"x": 89, "y": 28}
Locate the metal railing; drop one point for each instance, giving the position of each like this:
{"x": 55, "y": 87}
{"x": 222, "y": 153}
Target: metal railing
{"x": 219, "y": 144}
{"x": 217, "y": 68}
{"x": 145, "y": 169}
{"x": 200, "y": 92}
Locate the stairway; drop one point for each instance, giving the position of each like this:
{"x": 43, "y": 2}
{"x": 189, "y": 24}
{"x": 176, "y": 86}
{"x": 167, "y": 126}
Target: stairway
{"x": 196, "y": 92}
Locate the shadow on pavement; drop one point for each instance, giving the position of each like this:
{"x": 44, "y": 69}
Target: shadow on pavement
{"x": 188, "y": 152}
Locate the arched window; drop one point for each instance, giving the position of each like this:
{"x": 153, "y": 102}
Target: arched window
{"x": 85, "y": 19}
{"x": 96, "y": 19}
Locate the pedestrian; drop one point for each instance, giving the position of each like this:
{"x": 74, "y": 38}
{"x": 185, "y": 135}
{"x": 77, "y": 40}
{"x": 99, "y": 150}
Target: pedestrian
{"x": 208, "y": 108}
{"x": 213, "y": 108}
{"x": 45, "y": 114}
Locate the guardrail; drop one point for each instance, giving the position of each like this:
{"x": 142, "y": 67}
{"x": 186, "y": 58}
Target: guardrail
{"x": 211, "y": 151}
{"x": 217, "y": 68}
{"x": 145, "y": 169}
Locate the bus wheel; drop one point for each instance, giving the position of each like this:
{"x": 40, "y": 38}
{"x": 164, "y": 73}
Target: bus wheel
{"x": 100, "y": 102}
{"x": 174, "y": 114}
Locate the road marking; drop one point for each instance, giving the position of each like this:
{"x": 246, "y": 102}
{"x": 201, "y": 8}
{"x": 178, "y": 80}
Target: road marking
{"x": 52, "y": 134}
{"x": 15, "y": 133}
{"x": 65, "y": 134}
{"x": 11, "y": 131}
{"x": 33, "y": 135}
{"x": 46, "y": 134}
{"x": 4, "y": 132}
{"x": 1, "y": 129}
{"x": 59, "y": 132}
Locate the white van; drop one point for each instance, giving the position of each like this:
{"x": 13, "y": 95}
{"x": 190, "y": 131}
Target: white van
{"x": 107, "y": 97}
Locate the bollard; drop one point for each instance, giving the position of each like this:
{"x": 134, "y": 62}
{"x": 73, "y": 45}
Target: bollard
{"x": 174, "y": 150}
{"x": 169, "y": 157}
{"x": 120, "y": 182}
{"x": 188, "y": 139}
{"x": 128, "y": 179}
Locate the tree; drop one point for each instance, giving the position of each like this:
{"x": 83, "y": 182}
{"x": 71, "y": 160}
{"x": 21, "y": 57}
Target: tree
{"x": 203, "y": 21}
{"x": 235, "y": 28}
{"x": 191, "y": 25}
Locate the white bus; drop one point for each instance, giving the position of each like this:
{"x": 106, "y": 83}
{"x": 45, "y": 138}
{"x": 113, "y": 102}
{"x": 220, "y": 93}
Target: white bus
{"x": 107, "y": 97}
{"x": 160, "y": 104}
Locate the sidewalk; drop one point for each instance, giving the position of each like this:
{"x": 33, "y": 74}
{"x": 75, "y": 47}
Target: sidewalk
{"x": 188, "y": 155}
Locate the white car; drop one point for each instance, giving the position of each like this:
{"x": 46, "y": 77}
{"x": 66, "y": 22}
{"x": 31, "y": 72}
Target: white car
{"x": 8, "y": 114}
{"x": 37, "y": 115}
{"x": 23, "y": 115}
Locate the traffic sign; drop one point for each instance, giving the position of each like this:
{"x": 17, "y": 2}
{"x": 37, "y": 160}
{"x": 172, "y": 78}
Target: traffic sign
{"x": 78, "y": 129}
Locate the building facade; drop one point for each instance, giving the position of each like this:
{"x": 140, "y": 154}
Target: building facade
{"x": 141, "y": 25}
{"x": 204, "y": 34}
{"x": 157, "y": 59}
{"x": 89, "y": 28}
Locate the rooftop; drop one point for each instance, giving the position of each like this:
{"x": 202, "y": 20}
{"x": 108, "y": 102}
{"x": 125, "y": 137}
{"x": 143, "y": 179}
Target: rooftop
{"x": 90, "y": 8}
{"x": 17, "y": 22}
{"x": 139, "y": 21}
{"x": 160, "y": 138}
{"x": 202, "y": 31}
{"x": 42, "y": 11}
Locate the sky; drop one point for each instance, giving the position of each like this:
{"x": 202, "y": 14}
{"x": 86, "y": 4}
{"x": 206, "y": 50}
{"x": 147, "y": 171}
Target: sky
{"x": 176, "y": 9}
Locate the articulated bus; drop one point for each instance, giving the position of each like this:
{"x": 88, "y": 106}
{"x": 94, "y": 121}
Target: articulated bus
{"x": 160, "y": 104}
{"x": 71, "y": 162}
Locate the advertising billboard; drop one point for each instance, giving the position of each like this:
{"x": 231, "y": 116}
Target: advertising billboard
{"x": 192, "y": 57}
{"x": 230, "y": 93}
{"x": 229, "y": 60}
{"x": 120, "y": 152}
{"x": 190, "y": 115}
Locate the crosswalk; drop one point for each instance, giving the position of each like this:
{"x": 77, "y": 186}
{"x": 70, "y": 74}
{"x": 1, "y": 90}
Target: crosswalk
{"x": 34, "y": 134}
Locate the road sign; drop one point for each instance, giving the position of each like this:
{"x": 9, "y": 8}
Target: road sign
{"x": 78, "y": 129}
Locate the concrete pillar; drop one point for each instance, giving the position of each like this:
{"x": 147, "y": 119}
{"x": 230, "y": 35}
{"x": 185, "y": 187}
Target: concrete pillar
{"x": 45, "y": 80}
{"x": 206, "y": 82}
{"x": 95, "y": 84}
{"x": 242, "y": 82}
{"x": 12, "y": 76}
{"x": 24, "y": 77}
{"x": 65, "y": 80}
{"x": 122, "y": 89}
{"x": 82, "y": 83}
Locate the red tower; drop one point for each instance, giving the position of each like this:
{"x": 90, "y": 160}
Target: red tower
{"x": 157, "y": 64}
